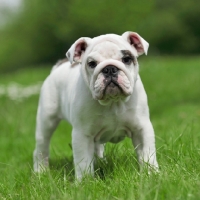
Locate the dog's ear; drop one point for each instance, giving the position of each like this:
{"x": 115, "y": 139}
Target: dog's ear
{"x": 137, "y": 42}
{"x": 77, "y": 50}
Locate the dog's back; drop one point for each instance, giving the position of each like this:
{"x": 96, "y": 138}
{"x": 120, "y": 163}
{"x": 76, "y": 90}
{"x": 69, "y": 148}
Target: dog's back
{"x": 59, "y": 63}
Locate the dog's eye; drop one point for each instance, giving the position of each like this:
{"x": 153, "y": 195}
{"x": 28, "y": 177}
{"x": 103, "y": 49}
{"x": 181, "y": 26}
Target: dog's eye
{"x": 127, "y": 60}
{"x": 92, "y": 64}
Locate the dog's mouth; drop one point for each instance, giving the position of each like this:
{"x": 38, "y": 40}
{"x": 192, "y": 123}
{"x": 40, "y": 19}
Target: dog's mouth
{"x": 112, "y": 88}
{"x": 111, "y": 82}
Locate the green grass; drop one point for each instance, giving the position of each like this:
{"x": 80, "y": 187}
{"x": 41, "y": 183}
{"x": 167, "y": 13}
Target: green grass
{"x": 172, "y": 85}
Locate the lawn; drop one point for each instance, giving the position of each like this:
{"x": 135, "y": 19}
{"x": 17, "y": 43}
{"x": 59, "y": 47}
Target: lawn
{"x": 172, "y": 85}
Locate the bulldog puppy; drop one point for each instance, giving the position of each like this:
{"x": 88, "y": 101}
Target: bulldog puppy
{"x": 99, "y": 92}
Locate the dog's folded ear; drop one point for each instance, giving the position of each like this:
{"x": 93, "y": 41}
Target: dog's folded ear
{"x": 77, "y": 50}
{"x": 137, "y": 42}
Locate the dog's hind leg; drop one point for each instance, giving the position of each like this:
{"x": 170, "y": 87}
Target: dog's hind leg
{"x": 99, "y": 150}
{"x": 47, "y": 121}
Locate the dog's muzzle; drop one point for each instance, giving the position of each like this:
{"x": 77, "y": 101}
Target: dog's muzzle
{"x": 110, "y": 71}
{"x": 112, "y": 88}
{"x": 110, "y": 74}
{"x": 111, "y": 80}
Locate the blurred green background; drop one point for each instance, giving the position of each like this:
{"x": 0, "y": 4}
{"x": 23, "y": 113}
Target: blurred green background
{"x": 40, "y": 32}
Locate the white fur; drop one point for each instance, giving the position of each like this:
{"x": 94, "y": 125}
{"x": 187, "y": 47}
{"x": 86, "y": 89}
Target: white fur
{"x": 72, "y": 92}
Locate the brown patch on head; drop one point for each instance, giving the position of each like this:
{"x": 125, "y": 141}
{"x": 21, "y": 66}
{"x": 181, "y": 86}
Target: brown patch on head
{"x": 128, "y": 53}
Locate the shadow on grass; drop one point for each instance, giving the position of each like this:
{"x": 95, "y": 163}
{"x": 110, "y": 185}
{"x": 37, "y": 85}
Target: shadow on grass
{"x": 63, "y": 167}
{"x": 66, "y": 166}
{"x": 113, "y": 163}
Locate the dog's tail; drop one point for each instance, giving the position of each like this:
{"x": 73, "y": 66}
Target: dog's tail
{"x": 59, "y": 62}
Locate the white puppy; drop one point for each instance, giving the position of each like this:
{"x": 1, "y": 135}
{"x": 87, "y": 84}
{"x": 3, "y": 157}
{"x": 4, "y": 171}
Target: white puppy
{"x": 100, "y": 93}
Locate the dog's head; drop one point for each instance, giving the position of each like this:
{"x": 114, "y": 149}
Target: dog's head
{"x": 109, "y": 64}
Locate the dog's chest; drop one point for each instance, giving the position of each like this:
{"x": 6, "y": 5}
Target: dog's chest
{"x": 111, "y": 129}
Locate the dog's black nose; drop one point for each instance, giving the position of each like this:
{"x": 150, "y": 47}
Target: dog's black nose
{"x": 110, "y": 70}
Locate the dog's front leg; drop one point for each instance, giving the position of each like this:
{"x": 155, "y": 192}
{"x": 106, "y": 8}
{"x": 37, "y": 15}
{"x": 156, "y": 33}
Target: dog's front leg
{"x": 83, "y": 151}
{"x": 144, "y": 142}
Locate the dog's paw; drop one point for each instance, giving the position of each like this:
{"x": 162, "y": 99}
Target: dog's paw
{"x": 40, "y": 163}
